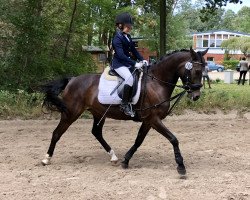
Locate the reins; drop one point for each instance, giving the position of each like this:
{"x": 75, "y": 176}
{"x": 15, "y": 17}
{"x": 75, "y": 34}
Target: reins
{"x": 165, "y": 82}
{"x": 177, "y": 97}
{"x": 187, "y": 88}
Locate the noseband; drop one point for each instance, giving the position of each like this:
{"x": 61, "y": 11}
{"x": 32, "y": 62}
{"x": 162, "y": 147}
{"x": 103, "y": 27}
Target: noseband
{"x": 189, "y": 86}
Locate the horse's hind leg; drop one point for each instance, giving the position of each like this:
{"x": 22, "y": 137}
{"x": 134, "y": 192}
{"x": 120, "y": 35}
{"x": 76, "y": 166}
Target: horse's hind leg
{"x": 97, "y": 132}
{"x": 63, "y": 125}
{"x": 144, "y": 129}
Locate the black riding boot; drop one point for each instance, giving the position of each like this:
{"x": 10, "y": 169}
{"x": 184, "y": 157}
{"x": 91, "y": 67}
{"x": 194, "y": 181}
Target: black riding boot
{"x": 125, "y": 107}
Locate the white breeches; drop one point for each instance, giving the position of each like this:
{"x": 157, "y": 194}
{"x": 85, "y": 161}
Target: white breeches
{"x": 126, "y": 74}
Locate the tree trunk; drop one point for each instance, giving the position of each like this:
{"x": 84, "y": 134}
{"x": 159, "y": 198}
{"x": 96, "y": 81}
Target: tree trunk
{"x": 162, "y": 27}
{"x": 169, "y": 14}
{"x": 110, "y": 52}
{"x": 70, "y": 31}
{"x": 90, "y": 30}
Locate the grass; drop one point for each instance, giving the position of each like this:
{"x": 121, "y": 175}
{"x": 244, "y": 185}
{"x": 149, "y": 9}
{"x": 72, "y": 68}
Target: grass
{"x": 222, "y": 96}
{"x": 225, "y": 97}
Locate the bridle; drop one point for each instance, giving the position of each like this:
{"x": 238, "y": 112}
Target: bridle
{"x": 188, "y": 86}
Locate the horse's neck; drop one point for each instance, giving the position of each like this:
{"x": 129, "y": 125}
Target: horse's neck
{"x": 165, "y": 71}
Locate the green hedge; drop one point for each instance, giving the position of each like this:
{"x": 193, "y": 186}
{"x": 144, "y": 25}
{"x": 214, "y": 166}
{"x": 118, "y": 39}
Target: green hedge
{"x": 230, "y": 64}
{"x": 225, "y": 97}
{"x": 20, "y": 104}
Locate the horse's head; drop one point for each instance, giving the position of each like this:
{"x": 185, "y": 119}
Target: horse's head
{"x": 191, "y": 71}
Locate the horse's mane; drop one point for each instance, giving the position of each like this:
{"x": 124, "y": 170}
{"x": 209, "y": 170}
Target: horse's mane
{"x": 170, "y": 53}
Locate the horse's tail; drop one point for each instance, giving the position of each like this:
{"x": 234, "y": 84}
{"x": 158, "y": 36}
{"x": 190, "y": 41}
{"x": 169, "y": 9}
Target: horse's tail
{"x": 51, "y": 90}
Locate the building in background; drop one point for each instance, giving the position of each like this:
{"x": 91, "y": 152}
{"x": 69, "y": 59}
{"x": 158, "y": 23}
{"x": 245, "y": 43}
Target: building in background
{"x": 213, "y": 40}
{"x": 99, "y": 55}
{"x": 141, "y": 46}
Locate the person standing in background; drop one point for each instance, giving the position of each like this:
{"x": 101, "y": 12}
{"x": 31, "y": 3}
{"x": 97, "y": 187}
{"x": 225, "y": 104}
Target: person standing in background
{"x": 205, "y": 76}
{"x": 243, "y": 70}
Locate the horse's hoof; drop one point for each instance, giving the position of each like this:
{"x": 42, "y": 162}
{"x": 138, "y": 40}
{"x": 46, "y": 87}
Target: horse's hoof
{"x": 114, "y": 162}
{"x": 181, "y": 170}
{"x": 114, "y": 159}
{"x": 124, "y": 165}
{"x": 45, "y": 162}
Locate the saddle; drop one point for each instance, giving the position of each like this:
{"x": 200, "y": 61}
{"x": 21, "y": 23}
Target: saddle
{"x": 111, "y": 74}
{"x": 111, "y": 85}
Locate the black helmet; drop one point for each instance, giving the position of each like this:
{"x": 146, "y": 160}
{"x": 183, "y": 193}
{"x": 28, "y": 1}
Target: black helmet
{"x": 124, "y": 18}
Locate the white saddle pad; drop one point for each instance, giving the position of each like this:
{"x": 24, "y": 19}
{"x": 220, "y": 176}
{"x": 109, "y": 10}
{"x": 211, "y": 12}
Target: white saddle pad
{"x": 107, "y": 85}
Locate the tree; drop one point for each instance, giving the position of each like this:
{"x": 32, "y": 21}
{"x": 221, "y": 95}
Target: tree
{"x": 212, "y": 5}
{"x": 228, "y": 20}
{"x": 237, "y": 43}
{"x": 39, "y": 34}
{"x": 41, "y": 39}
{"x": 242, "y": 22}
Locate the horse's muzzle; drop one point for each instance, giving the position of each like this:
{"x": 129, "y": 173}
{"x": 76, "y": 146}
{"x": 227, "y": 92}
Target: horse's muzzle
{"x": 194, "y": 91}
{"x": 195, "y": 97}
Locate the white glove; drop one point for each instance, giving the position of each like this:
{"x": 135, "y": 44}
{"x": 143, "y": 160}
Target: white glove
{"x": 145, "y": 63}
{"x": 139, "y": 65}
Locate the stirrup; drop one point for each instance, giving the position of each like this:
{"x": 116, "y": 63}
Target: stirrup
{"x": 127, "y": 109}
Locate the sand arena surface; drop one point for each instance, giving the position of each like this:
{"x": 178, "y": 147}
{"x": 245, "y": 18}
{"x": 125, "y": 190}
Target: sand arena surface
{"x": 216, "y": 151}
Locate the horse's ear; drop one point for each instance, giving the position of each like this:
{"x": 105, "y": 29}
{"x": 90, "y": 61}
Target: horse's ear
{"x": 193, "y": 53}
{"x": 204, "y": 52}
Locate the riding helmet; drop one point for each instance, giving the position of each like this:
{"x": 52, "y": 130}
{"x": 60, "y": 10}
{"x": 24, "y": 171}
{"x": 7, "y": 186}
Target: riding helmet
{"x": 124, "y": 18}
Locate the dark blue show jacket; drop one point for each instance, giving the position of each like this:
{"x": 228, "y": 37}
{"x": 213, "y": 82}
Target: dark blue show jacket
{"x": 124, "y": 49}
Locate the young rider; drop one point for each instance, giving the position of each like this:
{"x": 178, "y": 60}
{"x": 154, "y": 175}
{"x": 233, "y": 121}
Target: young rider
{"x": 125, "y": 57}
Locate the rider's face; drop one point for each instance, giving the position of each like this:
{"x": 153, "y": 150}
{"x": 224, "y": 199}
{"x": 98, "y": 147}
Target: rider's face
{"x": 127, "y": 28}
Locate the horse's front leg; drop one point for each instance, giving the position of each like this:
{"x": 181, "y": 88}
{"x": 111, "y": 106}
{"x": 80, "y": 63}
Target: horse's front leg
{"x": 144, "y": 129}
{"x": 161, "y": 128}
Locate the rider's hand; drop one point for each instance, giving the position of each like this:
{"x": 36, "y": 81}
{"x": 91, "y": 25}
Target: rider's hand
{"x": 145, "y": 63}
{"x": 139, "y": 65}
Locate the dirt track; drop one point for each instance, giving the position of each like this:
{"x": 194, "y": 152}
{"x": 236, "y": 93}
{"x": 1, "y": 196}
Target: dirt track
{"x": 215, "y": 149}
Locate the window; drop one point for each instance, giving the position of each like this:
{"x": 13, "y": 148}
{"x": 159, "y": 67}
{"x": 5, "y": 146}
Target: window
{"x": 210, "y": 58}
{"x": 199, "y": 43}
{"x": 136, "y": 44}
{"x": 205, "y": 43}
{"x": 218, "y": 43}
{"x": 219, "y": 36}
{"x": 212, "y": 36}
{"x": 102, "y": 57}
{"x": 212, "y": 42}
{"x": 225, "y": 37}
{"x": 152, "y": 59}
{"x": 205, "y": 37}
